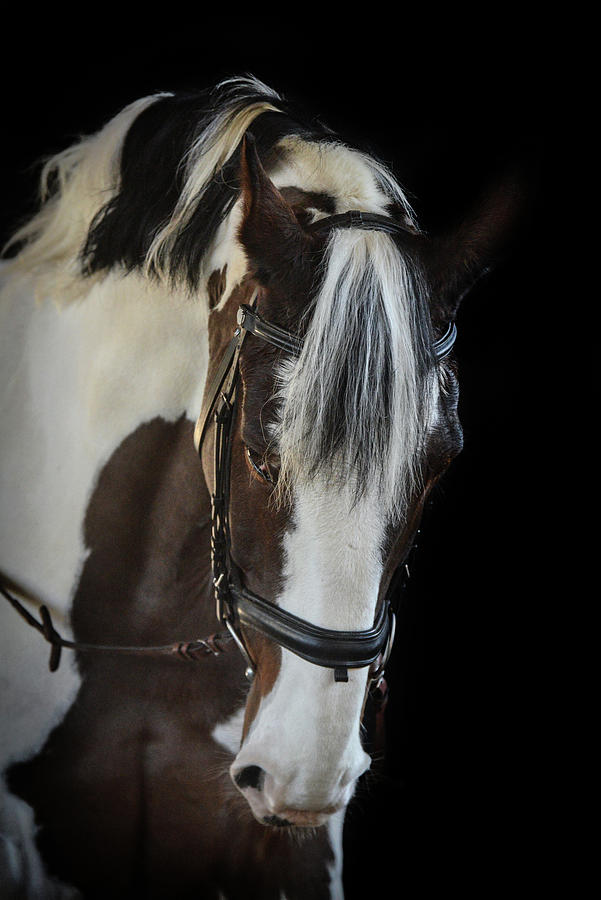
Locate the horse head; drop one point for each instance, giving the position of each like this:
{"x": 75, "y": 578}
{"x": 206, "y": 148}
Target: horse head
{"x": 333, "y": 448}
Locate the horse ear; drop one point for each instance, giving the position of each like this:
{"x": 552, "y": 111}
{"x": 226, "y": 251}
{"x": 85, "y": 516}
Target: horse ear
{"x": 270, "y": 232}
{"x": 457, "y": 259}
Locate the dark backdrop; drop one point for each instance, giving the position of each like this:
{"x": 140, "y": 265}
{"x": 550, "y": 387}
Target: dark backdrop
{"x": 457, "y": 801}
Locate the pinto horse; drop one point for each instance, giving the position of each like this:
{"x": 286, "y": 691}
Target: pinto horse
{"x": 217, "y": 259}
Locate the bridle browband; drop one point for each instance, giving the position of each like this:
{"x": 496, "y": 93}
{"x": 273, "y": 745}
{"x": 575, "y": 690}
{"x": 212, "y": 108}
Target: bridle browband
{"x": 236, "y": 606}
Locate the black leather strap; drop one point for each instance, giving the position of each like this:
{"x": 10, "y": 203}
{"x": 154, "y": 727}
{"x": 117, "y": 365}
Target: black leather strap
{"x": 273, "y": 334}
{"x": 225, "y": 367}
{"x": 321, "y": 646}
{"x": 355, "y": 218}
{"x": 250, "y": 321}
{"x": 443, "y": 346}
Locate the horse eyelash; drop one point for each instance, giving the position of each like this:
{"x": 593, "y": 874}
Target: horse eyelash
{"x": 444, "y": 379}
{"x": 262, "y": 470}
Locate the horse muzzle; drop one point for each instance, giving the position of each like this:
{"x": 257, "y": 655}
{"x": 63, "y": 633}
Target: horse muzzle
{"x": 294, "y": 801}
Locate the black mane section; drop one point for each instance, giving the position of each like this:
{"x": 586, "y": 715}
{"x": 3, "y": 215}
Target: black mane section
{"x": 152, "y": 175}
{"x": 150, "y": 183}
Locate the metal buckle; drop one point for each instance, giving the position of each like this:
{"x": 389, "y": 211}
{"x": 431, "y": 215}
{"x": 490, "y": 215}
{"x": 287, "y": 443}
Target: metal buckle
{"x": 377, "y": 676}
{"x": 222, "y": 410}
{"x": 249, "y": 672}
{"x": 356, "y": 218}
{"x": 219, "y": 599}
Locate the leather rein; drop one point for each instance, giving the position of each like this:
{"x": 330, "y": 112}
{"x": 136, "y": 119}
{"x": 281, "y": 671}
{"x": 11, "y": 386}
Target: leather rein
{"x": 236, "y": 606}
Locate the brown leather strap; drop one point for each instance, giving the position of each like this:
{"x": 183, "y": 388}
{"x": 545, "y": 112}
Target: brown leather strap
{"x": 190, "y": 651}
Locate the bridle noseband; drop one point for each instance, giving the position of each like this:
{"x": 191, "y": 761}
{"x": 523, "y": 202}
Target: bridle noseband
{"x": 236, "y": 605}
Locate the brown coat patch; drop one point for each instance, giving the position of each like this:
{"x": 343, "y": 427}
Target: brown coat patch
{"x": 132, "y": 795}
{"x": 216, "y": 286}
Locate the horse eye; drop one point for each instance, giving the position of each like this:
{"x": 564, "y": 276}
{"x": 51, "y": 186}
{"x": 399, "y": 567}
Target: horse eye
{"x": 260, "y": 466}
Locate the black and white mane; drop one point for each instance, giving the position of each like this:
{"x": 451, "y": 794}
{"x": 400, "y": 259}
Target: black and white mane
{"x": 359, "y": 401}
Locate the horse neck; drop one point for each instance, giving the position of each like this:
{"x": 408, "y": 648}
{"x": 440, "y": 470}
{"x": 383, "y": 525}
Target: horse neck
{"x": 80, "y": 380}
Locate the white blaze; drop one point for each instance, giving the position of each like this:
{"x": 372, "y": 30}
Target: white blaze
{"x": 306, "y": 735}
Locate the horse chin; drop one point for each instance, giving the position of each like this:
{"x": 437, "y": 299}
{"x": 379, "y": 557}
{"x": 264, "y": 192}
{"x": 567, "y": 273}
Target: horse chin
{"x": 296, "y": 834}
{"x": 295, "y": 821}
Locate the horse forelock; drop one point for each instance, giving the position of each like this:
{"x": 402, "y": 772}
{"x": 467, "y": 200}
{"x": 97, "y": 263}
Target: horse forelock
{"x": 356, "y": 405}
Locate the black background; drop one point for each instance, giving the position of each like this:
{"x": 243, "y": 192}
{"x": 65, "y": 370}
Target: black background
{"x": 464, "y": 792}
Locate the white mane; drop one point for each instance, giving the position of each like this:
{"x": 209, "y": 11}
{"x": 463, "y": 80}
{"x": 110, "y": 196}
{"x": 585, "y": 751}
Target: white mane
{"x": 74, "y": 185}
{"x": 358, "y": 400}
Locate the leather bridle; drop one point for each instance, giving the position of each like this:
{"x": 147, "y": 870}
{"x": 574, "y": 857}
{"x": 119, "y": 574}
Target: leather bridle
{"x": 236, "y": 606}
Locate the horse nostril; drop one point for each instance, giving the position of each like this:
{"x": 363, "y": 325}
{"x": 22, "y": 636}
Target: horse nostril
{"x": 250, "y": 777}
